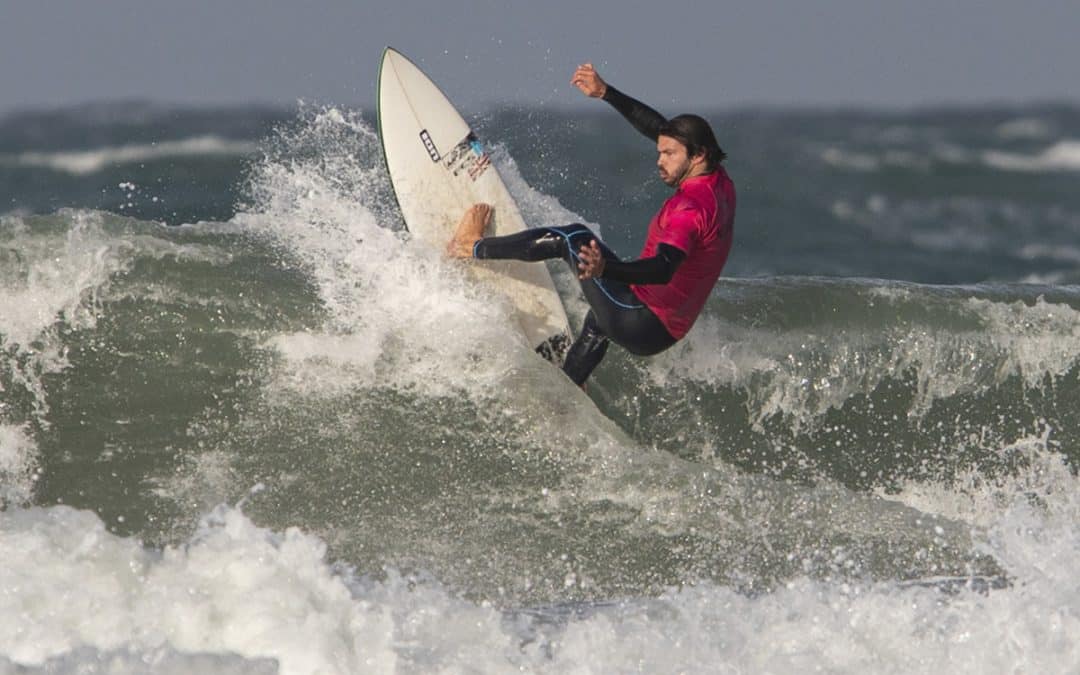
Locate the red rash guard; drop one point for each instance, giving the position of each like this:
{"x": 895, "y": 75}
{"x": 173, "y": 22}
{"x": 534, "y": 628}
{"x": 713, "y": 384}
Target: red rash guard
{"x": 698, "y": 220}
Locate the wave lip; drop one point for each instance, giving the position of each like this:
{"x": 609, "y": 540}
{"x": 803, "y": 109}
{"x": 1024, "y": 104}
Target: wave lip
{"x": 85, "y": 162}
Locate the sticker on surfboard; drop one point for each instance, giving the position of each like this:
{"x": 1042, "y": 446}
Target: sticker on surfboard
{"x": 469, "y": 157}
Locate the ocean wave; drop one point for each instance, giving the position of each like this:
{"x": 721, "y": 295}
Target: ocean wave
{"x": 1062, "y": 156}
{"x": 1026, "y": 128}
{"x": 1054, "y": 252}
{"x": 54, "y": 279}
{"x": 841, "y": 375}
{"x": 57, "y": 276}
{"x": 61, "y": 264}
{"x": 867, "y": 162}
{"x": 243, "y": 598}
{"x": 84, "y": 162}
{"x": 846, "y": 475}
{"x": 856, "y": 161}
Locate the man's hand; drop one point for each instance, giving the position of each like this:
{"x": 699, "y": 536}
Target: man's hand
{"x": 588, "y": 81}
{"x": 590, "y": 261}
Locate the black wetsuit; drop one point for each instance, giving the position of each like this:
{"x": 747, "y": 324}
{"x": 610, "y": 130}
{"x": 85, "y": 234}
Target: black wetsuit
{"x": 615, "y": 312}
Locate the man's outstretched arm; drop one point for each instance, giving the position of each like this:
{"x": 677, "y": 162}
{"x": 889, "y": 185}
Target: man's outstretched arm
{"x": 642, "y": 117}
{"x": 658, "y": 269}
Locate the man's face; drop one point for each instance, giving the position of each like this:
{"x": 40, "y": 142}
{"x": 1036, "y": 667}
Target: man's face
{"x": 672, "y": 160}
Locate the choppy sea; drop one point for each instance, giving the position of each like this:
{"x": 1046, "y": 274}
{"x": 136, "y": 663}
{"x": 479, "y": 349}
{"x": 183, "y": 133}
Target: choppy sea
{"x": 249, "y": 425}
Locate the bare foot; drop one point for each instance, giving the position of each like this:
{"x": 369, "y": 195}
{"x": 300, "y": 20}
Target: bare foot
{"x": 470, "y": 229}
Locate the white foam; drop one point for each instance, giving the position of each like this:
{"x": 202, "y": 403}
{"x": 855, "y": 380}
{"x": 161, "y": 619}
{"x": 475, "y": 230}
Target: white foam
{"x": 1048, "y": 279}
{"x": 160, "y": 661}
{"x": 79, "y": 596}
{"x": 84, "y": 162}
{"x": 1062, "y": 253}
{"x": 1062, "y": 156}
{"x": 58, "y": 278}
{"x": 18, "y": 463}
{"x": 58, "y": 272}
{"x": 399, "y": 313}
{"x": 233, "y": 589}
{"x": 973, "y": 498}
{"x": 854, "y": 161}
{"x": 865, "y": 162}
{"x": 953, "y": 224}
{"x": 1031, "y": 341}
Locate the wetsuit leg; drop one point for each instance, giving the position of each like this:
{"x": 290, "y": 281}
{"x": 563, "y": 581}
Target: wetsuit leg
{"x": 616, "y": 313}
{"x": 542, "y": 243}
{"x": 586, "y": 352}
{"x": 624, "y": 318}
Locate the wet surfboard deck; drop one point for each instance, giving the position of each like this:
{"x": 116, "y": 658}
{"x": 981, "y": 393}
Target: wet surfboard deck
{"x": 438, "y": 168}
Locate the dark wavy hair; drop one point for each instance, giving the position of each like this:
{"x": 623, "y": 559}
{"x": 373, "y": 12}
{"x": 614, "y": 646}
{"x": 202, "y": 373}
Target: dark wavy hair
{"x": 696, "y": 134}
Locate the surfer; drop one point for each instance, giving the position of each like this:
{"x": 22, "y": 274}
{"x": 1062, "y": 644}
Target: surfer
{"x": 648, "y": 304}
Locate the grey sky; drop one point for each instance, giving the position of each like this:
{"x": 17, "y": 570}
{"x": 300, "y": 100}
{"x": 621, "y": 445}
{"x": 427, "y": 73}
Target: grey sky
{"x": 667, "y": 52}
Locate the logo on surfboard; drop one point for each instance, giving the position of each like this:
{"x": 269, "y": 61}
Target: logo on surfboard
{"x": 429, "y": 145}
{"x": 468, "y": 156}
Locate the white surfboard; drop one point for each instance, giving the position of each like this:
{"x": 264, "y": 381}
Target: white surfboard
{"x": 438, "y": 168}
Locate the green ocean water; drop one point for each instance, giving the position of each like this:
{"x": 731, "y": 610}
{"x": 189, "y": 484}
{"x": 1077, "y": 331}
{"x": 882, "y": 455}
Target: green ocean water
{"x": 215, "y": 333}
